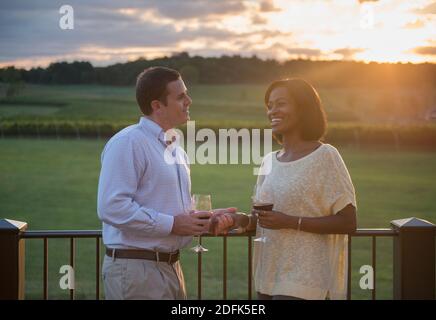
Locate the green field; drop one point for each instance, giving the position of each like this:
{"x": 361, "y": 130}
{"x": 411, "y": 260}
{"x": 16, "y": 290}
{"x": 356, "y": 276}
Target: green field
{"x": 230, "y": 105}
{"x": 52, "y": 184}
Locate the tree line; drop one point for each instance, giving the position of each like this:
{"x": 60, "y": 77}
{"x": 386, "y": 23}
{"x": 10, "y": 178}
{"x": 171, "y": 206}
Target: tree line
{"x": 233, "y": 70}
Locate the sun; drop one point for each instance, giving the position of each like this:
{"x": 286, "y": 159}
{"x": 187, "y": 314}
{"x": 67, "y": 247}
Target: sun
{"x": 374, "y": 31}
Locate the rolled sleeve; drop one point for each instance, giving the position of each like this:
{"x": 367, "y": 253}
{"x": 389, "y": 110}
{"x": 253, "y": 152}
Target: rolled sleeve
{"x": 344, "y": 200}
{"x": 164, "y": 224}
{"x": 340, "y": 189}
{"x": 118, "y": 183}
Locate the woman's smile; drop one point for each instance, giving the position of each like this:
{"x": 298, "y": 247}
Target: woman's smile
{"x": 276, "y": 121}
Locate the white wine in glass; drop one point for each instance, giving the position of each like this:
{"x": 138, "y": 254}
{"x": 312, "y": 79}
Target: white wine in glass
{"x": 201, "y": 202}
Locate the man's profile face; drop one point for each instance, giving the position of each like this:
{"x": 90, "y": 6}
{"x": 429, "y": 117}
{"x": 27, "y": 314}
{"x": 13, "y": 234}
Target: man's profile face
{"x": 176, "y": 112}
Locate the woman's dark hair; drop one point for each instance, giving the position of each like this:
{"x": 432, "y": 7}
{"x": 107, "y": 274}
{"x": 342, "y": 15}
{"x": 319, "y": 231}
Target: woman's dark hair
{"x": 312, "y": 121}
{"x": 151, "y": 85}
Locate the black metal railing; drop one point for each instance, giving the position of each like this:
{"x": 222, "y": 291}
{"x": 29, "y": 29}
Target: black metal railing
{"x": 45, "y": 235}
{"x": 373, "y": 233}
{"x": 72, "y": 235}
{"x": 249, "y": 236}
{"x": 414, "y": 258}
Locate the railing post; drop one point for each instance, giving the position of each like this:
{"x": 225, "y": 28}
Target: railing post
{"x": 11, "y": 259}
{"x": 414, "y": 259}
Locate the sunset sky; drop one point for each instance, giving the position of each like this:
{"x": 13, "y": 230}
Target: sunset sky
{"x": 107, "y": 31}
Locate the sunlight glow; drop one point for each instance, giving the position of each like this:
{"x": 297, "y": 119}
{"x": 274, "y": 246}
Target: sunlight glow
{"x": 381, "y": 31}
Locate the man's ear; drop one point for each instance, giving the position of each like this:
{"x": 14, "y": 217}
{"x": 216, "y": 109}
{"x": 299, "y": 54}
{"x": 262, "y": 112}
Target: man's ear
{"x": 156, "y": 106}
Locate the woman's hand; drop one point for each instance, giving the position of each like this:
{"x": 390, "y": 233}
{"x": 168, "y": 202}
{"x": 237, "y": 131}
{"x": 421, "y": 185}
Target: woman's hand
{"x": 273, "y": 219}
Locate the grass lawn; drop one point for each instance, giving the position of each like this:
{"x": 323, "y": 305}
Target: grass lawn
{"x": 52, "y": 184}
{"x": 230, "y": 105}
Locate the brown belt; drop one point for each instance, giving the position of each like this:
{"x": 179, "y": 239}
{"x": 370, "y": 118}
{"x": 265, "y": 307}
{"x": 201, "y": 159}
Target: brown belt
{"x": 143, "y": 254}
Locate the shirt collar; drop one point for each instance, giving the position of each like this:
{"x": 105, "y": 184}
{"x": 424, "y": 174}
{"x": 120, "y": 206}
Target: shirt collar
{"x": 151, "y": 127}
{"x": 157, "y": 131}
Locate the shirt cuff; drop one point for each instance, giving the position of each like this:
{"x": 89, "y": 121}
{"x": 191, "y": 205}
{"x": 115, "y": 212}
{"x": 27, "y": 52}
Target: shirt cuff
{"x": 164, "y": 224}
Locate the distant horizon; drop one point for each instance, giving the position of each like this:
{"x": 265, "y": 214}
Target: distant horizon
{"x": 107, "y": 32}
{"x": 94, "y": 65}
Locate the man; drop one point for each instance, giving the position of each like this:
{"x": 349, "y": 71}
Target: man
{"x": 143, "y": 200}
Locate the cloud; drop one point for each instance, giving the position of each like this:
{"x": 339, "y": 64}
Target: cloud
{"x": 307, "y": 52}
{"x": 283, "y": 52}
{"x": 429, "y": 9}
{"x": 35, "y": 32}
{"x": 425, "y": 50}
{"x": 28, "y": 34}
{"x": 257, "y": 19}
{"x": 348, "y": 53}
{"x": 199, "y": 9}
{"x": 417, "y": 24}
{"x": 268, "y": 6}
{"x": 110, "y": 30}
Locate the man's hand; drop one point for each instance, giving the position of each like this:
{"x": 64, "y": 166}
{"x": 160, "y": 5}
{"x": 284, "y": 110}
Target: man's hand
{"x": 222, "y": 220}
{"x": 192, "y": 224}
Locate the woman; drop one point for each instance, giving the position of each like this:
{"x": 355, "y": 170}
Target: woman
{"x": 304, "y": 252}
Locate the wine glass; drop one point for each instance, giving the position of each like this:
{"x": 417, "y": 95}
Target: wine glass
{"x": 259, "y": 203}
{"x": 201, "y": 202}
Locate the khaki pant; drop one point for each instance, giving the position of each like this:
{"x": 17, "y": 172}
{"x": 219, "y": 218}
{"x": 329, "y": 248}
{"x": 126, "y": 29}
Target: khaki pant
{"x": 262, "y": 296}
{"x": 138, "y": 279}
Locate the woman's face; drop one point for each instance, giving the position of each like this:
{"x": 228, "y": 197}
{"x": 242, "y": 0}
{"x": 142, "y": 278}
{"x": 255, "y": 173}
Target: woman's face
{"x": 281, "y": 111}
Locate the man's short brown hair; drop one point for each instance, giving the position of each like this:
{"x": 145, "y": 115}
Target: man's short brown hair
{"x": 151, "y": 85}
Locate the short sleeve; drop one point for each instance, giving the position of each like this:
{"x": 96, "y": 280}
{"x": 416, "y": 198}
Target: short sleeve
{"x": 339, "y": 189}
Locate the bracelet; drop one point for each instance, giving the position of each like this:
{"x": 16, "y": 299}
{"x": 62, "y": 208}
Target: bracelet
{"x": 249, "y": 221}
{"x": 300, "y": 219}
